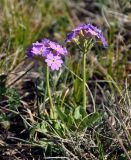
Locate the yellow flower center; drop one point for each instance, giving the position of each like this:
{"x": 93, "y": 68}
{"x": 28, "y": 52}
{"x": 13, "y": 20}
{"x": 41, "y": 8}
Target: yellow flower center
{"x": 41, "y": 50}
{"x": 53, "y": 60}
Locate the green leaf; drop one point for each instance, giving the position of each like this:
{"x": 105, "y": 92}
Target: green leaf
{"x": 61, "y": 114}
{"x": 70, "y": 121}
{"x": 89, "y": 120}
{"x": 77, "y": 114}
{"x": 4, "y": 122}
{"x": 2, "y": 85}
{"x": 13, "y": 98}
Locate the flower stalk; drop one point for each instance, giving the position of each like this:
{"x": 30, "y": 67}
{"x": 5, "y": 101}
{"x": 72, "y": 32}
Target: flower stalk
{"x": 49, "y": 93}
{"x": 84, "y": 80}
{"x": 86, "y": 49}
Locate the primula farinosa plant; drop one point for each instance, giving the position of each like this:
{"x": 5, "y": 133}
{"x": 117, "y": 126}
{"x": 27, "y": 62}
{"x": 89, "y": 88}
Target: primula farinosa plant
{"x": 50, "y": 53}
{"x": 85, "y": 36}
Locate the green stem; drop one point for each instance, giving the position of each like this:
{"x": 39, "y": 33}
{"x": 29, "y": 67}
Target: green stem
{"x": 86, "y": 48}
{"x": 49, "y": 93}
{"x": 84, "y": 80}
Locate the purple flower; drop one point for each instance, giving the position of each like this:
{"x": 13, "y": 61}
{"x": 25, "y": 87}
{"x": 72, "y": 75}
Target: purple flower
{"x": 49, "y": 52}
{"x": 72, "y": 36}
{"x": 80, "y": 27}
{"x": 45, "y": 41}
{"x": 86, "y": 30}
{"x": 55, "y": 47}
{"x": 37, "y": 50}
{"x": 104, "y": 41}
{"x": 54, "y": 62}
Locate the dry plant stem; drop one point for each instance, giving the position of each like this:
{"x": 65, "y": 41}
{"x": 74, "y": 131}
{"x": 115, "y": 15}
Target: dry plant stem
{"x": 66, "y": 158}
{"x": 32, "y": 144}
{"x": 20, "y": 76}
{"x": 3, "y": 109}
{"x": 104, "y": 72}
{"x": 69, "y": 152}
{"x": 127, "y": 134}
{"x": 119, "y": 140}
{"x": 49, "y": 93}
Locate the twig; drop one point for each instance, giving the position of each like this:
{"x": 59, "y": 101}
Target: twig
{"x": 127, "y": 134}
{"x": 20, "y": 76}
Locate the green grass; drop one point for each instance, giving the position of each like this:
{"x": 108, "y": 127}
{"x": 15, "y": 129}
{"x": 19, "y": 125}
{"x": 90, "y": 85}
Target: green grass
{"x": 103, "y": 133}
{"x": 25, "y": 22}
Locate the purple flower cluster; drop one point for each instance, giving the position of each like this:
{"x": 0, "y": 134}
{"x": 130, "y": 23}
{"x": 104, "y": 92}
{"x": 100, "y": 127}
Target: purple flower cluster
{"x": 86, "y": 30}
{"x": 52, "y": 52}
{"x": 49, "y": 51}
